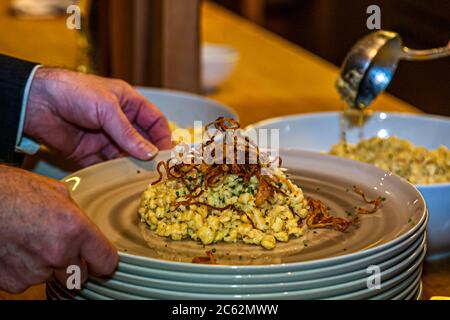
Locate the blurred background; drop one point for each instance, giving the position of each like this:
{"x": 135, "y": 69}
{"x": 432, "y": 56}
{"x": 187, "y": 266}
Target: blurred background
{"x": 156, "y": 42}
{"x": 329, "y": 28}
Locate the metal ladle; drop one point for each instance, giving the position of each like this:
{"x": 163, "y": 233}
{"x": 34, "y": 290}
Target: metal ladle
{"x": 371, "y": 63}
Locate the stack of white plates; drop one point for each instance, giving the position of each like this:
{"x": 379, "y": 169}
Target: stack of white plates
{"x": 330, "y": 265}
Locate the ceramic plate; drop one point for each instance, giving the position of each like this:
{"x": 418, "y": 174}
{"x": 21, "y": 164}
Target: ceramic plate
{"x": 390, "y": 287}
{"x": 312, "y": 292}
{"x": 346, "y": 269}
{"x": 109, "y": 193}
{"x": 410, "y": 292}
{"x": 287, "y": 283}
{"x": 399, "y": 289}
{"x": 58, "y": 291}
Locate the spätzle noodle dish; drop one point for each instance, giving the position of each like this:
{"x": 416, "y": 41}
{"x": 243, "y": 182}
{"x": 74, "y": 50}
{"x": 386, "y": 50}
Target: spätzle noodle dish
{"x": 237, "y": 215}
{"x": 416, "y": 164}
{"x": 256, "y": 206}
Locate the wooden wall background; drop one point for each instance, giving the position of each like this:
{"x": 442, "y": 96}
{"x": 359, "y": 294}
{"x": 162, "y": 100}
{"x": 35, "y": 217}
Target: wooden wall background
{"x": 153, "y": 43}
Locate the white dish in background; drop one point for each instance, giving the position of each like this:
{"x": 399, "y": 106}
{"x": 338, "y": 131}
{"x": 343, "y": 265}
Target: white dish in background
{"x": 185, "y": 108}
{"x": 319, "y": 131}
{"x": 218, "y": 62}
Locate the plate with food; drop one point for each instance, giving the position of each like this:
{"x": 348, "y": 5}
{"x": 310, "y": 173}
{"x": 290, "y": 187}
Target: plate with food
{"x": 310, "y": 210}
{"x": 415, "y": 147}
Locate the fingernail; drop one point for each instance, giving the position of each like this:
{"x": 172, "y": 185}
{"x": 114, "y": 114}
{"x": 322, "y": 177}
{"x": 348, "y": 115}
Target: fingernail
{"x": 151, "y": 151}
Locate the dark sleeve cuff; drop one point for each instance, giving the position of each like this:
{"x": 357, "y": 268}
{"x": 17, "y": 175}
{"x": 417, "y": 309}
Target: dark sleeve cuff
{"x": 14, "y": 74}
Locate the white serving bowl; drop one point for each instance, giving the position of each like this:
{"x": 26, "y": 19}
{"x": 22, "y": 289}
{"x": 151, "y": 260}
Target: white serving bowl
{"x": 218, "y": 62}
{"x": 185, "y": 108}
{"x": 179, "y": 107}
{"x": 319, "y": 131}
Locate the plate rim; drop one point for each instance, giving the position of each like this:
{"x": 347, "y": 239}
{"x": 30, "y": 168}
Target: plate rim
{"x": 401, "y": 276}
{"x": 401, "y": 265}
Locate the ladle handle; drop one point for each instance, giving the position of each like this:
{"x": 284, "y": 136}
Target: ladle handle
{"x": 429, "y": 54}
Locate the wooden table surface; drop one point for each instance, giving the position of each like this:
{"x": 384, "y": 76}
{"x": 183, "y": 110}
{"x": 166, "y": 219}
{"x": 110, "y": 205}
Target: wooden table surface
{"x": 273, "y": 78}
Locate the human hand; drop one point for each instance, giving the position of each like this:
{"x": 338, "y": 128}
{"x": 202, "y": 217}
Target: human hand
{"x": 42, "y": 232}
{"x": 89, "y": 119}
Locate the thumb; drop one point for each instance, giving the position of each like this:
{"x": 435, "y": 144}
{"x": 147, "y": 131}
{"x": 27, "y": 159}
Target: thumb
{"x": 119, "y": 128}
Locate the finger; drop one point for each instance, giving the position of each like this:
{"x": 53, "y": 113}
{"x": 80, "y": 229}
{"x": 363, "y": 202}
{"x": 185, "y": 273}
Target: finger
{"x": 90, "y": 160}
{"x": 12, "y": 285}
{"x": 50, "y": 183}
{"x": 146, "y": 136}
{"x": 144, "y": 114}
{"x": 84, "y": 271}
{"x": 151, "y": 120}
{"x": 158, "y": 131}
{"x": 10, "y": 281}
{"x": 56, "y": 185}
{"x": 99, "y": 254}
{"x": 63, "y": 274}
{"x": 118, "y": 127}
{"x": 110, "y": 151}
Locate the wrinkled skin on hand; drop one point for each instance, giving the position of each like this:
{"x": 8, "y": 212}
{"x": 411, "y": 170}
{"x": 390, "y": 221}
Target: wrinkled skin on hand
{"x": 42, "y": 231}
{"x": 90, "y": 119}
